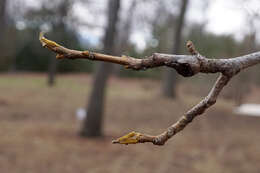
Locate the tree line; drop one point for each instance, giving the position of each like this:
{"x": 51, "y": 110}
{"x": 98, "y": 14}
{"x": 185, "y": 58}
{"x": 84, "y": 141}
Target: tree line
{"x": 169, "y": 30}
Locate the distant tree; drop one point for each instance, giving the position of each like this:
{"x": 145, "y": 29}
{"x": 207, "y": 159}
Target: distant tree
{"x": 53, "y": 17}
{"x": 163, "y": 29}
{"x": 92, "y": 125}
{"x": 2, "y": 16}
{"x": 211, "y": 44}
{"x": 2, "y": 22}
{"x": 170, "y": 76}
{"x": 124, "y": 32}
{"x": 7, "y": 37}
{"x": 62, "y": 12}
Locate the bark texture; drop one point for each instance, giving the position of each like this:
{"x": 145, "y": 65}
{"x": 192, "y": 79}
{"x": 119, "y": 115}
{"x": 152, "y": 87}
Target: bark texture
{"x": 185, "y": 65}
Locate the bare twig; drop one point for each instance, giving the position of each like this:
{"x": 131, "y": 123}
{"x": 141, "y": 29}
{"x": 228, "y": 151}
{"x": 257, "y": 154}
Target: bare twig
{"x": 185, "y": 65}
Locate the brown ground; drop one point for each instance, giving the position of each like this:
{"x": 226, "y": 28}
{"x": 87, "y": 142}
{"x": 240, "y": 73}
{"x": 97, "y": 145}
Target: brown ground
{"x": 38, "y": 130}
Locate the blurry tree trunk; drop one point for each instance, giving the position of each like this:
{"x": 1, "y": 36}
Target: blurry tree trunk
{"x": 2, "y": 17}
{"x": 92, "y": 125}
{"x": 59, "y": 28}
{"x": 169, "y": 75}
{"x": 123, "y": 36}
{"x": 8, "y": 37}
{"x": 52, "y": 72}
{"x": 3, "y": 26}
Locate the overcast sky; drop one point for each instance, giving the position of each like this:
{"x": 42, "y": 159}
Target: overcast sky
{"x": 221, "y": 16}
{"x": 231, "y": 16}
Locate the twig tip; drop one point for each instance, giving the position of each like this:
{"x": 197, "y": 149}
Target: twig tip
{"x": 191, "y": 48}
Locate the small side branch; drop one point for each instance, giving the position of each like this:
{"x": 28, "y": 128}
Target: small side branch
{"x": 65, "y": 53}
{"x": 200, "y": 108}
{"x": 185, "y": 65}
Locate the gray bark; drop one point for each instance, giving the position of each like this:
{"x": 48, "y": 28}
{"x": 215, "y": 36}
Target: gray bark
{"x": 93, "y": 123}
{"x": 169, "y": 75}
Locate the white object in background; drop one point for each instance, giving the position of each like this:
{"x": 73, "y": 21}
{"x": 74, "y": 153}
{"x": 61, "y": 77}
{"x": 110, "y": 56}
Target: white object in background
{"x": 81, "y": 114}
{"x": 248, "y": 109}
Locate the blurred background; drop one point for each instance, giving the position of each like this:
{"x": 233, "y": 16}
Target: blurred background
{"x": 61, "y": 115}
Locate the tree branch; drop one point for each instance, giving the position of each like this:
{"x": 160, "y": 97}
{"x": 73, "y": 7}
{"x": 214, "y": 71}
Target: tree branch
{"x": 185, "y": 65}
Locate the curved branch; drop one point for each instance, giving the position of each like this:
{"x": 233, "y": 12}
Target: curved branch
{"x": 199, "y": 109}
{"x": 185, "y": 65}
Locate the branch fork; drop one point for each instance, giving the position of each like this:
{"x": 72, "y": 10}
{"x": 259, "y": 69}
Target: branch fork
{"x": 185, "y": 65}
